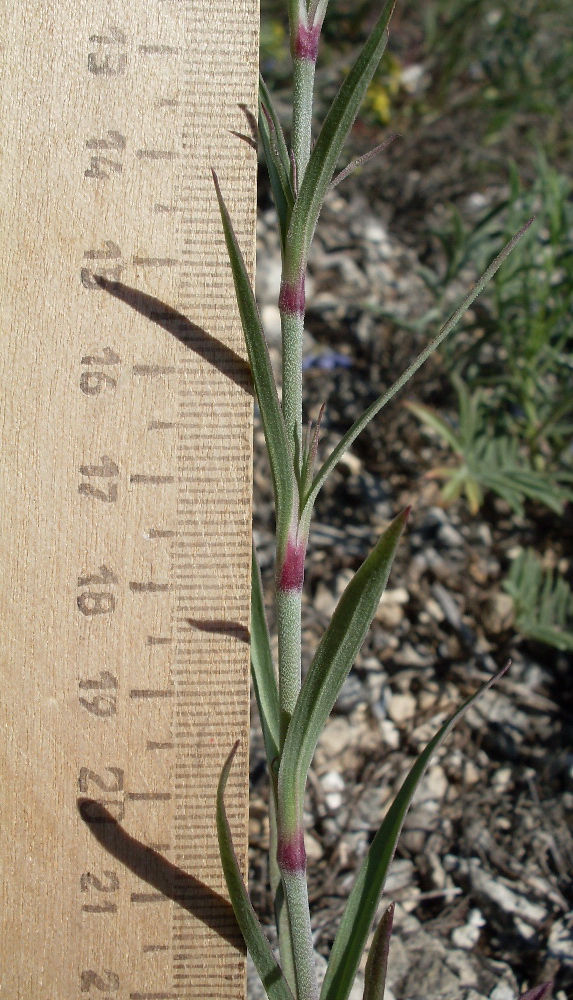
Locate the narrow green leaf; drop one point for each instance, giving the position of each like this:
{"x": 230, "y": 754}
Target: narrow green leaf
{"x": 474, "y": 495}
{"x": 359, "y": 425}
{"x": 269, "y": 970}
{"x": 280, "y": 143}
{"x": 377, "y": 962}
{"x": 276, "y": 157}
{"x": 354, "y": 164}
{"x": 276, "y": 177}
{"x": 427, "y": 415}
{"x": 363, "y": 900}
{"x": 328, "y": 146}
{"x": 271, "y": 414}
{"x": 263, "y": 671}
{"x": 332, "y": 661}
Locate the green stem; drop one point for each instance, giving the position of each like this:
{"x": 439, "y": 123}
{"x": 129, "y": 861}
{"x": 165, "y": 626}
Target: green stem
{"x": 277, "y": 890}
{"x": 303, "y": 86}
{"x": 292, "y": 334}
{"x": 289, "y": 637}
{"x": 296, "y": 893}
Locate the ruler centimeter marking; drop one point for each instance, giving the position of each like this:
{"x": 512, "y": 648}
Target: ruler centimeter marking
{"x": 126, "y": 452}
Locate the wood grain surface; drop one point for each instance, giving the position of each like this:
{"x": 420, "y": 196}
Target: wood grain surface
{"x": 126, "y": 501}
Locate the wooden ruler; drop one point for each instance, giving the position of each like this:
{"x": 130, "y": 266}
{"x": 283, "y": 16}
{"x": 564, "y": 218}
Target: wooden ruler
{"x": 126, "y": 457}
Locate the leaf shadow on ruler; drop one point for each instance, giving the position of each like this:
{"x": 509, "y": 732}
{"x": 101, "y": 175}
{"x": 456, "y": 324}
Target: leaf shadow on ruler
{"x": 208, "y": 347}
{"x": 150, "y": 866}
{"x": 252, "y": 140}
{"x": 235, "y": 630}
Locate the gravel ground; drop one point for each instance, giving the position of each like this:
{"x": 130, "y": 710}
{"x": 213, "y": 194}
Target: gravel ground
{"x": 483, "y": 874}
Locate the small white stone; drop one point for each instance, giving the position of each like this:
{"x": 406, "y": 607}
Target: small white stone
{"x": 471, "y": 773}
{"x": 526, "y": 930}
{"x": 334, "y": 738}
{"x": 333, "y": 801}
{"x": 561, "y": 939}
{"x": 401, "y": 707}
{"x": 501, "y": 779}
{"x": 476, "y": 201}
{"x": 332, "y": 781}
{"x": 374, "y": 231}
{"x": 507, "y": 900}
{"x": 268, "y": 280}
{"x": 434, "y": 610}
{"x": 502, "y": 991}
{"x": 436, "y": 782}
{"x": 312, "y": 847}
{"x": 389, "y": 734}
{"x": 450, "y": 536}
{"x": 467, "y": 937}
{"x": 333, "y": 785}
{"x": 324, "y": 600}
{"x": 396, "y": 595}
{"x": 411, "y": 77}
{"x": 342, "y": 580}
{"x": 389, "y": 615}
{"x": 271, "y": 320}
{"x": 351, "y": 462}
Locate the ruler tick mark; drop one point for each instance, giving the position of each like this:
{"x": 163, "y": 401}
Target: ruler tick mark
{"x": 151, "y": 693}
{"x": 156, "y": 154}
{"x": 154, "y": 262}
{"x": 158, "y": 50}
{"x": 148, "y": 897}
{"x": 148, "y": 588}
{"x": 153, "y": 369}
{"x": 143, "y": 479}
{"x": 158, "y": 640}
{"x": 161, "y": 425}
{"x": 154, "y": 996}
{"x": 156, "y": 947}
{"x": 156, "y": 745}
{"x": 149, "y": 797}
{"x": 161, "y": 533}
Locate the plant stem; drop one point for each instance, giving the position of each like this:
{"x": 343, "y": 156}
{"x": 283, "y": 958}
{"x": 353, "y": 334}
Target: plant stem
{"x": 280, "y": 906}
{"x": 290, "y": 576}
{"x": 292, "y": 332}
{"x": 294, "y": 924}
{"x": 303, "y": 85}
{"x": 296, "y": 893}
{"x": 289, "y": 637}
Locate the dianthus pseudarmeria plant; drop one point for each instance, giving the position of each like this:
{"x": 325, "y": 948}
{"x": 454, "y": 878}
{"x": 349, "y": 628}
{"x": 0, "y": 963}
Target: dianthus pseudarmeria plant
{"x": 293, "y": 712}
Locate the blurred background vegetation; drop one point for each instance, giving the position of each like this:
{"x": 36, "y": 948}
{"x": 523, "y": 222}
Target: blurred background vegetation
{"x": 502, "y": 71}
{"x": 481, "y": 93}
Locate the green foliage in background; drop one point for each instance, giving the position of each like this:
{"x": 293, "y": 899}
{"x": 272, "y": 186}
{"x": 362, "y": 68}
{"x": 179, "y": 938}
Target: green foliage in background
{"x": 515, "y": 400}
{"x": 520, "y": 342}
{"x": 510, "y": 60}
{"x": 485, "y": 461}
{"x": 508, "y": 64}
{"x": 543, "y": 601}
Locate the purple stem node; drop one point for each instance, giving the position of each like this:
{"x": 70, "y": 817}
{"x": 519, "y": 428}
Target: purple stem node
{"x": 291, "y": 854}
{"x": 306, "y": 45}
{"x": 291, "y": 575}
{"x": 292, "y": 297}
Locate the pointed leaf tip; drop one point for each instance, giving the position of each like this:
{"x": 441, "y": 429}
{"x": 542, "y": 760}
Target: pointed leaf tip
{"x": 377, "y": 963}
{"x": 271, "y": 414}
{"x": 362, "y": 159}
{"x": 363, "y": 900}
{"x": 270, "y": 972}
{"x": 330, "y": 667}
{"x": 541, "y": 992}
